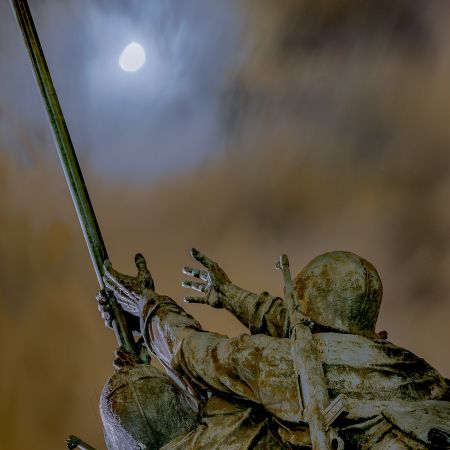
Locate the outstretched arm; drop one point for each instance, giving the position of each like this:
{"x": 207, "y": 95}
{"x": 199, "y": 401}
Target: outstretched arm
{"x": 256, "y": 368}
{"x": 260, "y": 313}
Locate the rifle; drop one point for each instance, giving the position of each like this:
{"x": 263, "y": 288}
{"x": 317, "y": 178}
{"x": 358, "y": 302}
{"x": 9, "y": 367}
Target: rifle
{"x": 71, "y": 168}
{"x": 318, "y": 412}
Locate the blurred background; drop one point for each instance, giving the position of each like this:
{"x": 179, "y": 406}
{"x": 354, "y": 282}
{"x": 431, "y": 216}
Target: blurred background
{"x": 256, "y": 127}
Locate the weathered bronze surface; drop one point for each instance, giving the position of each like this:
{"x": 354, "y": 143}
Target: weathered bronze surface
{"x": 313, "y": 392}
{"x": 141, "y": 407}
{"x": 251, "y": 389}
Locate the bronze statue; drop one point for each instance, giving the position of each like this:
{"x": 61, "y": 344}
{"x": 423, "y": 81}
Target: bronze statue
{"x": 247, "y": 387}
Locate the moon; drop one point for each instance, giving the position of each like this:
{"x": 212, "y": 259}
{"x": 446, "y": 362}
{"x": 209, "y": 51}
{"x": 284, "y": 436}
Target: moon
{"x": 132, "y": 57}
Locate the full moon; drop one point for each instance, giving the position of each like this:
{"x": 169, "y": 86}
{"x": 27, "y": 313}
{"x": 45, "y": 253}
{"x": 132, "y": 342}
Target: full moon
{"x": 132, "y": 57}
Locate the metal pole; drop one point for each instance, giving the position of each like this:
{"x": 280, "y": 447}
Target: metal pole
{"x": 69, "y": 162}
{"x": 75, "y": 442}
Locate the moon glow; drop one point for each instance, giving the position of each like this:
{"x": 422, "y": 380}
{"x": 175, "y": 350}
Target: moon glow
{"x": 132, "y": 57}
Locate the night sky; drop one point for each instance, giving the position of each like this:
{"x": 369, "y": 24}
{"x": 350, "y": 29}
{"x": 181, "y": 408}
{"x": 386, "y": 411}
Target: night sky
{"x": 256, "y": 127}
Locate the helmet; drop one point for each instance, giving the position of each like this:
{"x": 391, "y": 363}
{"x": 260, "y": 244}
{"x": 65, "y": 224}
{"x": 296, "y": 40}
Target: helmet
{"x": 341, "y": 291}
{"x": 142, "y": 408}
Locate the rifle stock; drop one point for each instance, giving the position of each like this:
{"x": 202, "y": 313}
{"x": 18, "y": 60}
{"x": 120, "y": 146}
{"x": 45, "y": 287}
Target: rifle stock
{"x": 313, "y": 390}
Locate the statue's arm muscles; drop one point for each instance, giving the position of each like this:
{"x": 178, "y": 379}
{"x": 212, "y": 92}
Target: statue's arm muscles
{"x": 200, "y": 357}
{"x": 260, "y": 313}
{"x": 250, "y": 367}
{"x": 257, "y": 368}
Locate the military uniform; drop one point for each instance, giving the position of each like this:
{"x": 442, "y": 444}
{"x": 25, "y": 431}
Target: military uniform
{"x": 248, "y": 387}
{"x": 253, "y": 400}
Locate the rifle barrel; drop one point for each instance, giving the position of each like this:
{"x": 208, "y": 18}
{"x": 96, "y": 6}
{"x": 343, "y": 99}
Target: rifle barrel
{"x": 69, "y": 161}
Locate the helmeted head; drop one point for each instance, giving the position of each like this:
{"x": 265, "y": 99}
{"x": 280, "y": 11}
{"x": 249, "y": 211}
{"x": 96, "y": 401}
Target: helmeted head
{"x": 142, "y": 408}
{"x": 341, "y": 291}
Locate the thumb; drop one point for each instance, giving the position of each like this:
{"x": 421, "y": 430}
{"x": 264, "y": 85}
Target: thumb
{"x": 144, "y": 274}
{"x": 213, "y": 299}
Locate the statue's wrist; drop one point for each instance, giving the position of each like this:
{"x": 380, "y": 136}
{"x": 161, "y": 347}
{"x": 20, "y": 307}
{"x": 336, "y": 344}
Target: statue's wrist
{"x": 145, "y": 305}
{"x": 147, "y": 302}
{"x": 222, "y": 289}
{"x": 227, "y": 292}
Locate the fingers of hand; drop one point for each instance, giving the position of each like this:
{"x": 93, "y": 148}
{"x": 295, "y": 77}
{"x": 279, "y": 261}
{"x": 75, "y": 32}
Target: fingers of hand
{"x": 124, "y": 358}
{"x": 121, "y": 354}
{"x": 200, "y": 287}
{"x": 107, "y": 318}
{"x": 116, "y": 280}
{"x": 144, "y": 274}
{"x": 112, "y": 286}
{"x": 105, "y": 308}
{"x": 102, "y": 301}
{"x": 126, "y": 300}
{"x": 129, "y": 305}
{"x": 202, "y": 259}
{"x": 141, "y": 264}
{"x": 109, "y": 271}
{"x": 123, "y": 291}
{"x": 197, "y": 273}
{"x": 102, "y": 297}
{"x": 195, "y": 299}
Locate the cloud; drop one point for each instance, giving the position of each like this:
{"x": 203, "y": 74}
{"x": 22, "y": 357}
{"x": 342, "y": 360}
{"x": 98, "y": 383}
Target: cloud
{"x": 325, "y": 129}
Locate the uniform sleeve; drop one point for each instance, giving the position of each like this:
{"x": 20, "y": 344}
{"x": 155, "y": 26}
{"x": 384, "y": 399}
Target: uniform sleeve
{"x": 254, "y": 368}
{"x": 260, "y": 313}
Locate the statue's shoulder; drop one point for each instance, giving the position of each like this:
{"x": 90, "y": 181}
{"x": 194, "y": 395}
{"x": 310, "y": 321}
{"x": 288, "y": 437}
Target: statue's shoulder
{"x": 427, "y": 421}
{"x": 352, "y": 348}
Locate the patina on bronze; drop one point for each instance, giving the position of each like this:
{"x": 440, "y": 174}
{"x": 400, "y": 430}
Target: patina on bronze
{"x": 382, "y": 396}
{"x": 313, "y": 391}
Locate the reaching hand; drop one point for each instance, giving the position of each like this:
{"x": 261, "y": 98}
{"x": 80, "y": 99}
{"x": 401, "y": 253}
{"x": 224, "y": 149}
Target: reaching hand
{"x": 104, "y": 306}
{"x": 131, "y": 292}
{"x": 214, "y": 279}
{"x": 123, "y": 358}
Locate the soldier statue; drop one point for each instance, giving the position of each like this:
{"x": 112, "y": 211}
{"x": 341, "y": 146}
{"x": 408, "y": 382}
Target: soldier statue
{"x": 248, "y": 391}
